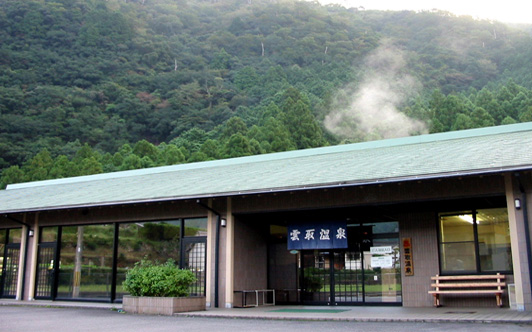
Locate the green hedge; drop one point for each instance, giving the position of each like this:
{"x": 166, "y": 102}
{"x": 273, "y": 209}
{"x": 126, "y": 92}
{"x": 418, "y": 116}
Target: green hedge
{"x": 162, "y": 280}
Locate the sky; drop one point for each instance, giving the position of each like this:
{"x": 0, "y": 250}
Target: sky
{"x": 508, "y": 11}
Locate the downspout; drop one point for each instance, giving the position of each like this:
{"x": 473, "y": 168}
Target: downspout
{"x": 527, "y": 227}
{"x": 216, "y": 250}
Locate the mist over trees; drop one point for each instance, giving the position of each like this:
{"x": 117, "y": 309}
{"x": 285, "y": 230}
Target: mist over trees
{"x": 91, "y": 86}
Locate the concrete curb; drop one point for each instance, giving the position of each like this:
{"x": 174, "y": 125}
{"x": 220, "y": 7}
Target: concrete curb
{"x": 355, "y": 314}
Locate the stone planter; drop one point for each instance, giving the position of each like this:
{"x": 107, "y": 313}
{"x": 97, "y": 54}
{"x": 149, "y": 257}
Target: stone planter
{"x": 162, "y": 305}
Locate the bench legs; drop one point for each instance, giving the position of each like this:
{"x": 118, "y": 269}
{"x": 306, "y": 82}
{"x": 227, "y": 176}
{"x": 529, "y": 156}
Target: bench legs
{"x": 499, "y": 300}
{"x": 436, "y": 300}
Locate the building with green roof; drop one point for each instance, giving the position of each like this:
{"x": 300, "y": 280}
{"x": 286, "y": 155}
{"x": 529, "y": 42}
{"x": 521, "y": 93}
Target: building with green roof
{"x": 357, "y": 224}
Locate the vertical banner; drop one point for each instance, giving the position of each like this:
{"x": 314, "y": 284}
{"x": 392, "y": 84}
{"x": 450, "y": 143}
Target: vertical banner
{"x": 408, "y": 259}
{"x": 327, "y": 235}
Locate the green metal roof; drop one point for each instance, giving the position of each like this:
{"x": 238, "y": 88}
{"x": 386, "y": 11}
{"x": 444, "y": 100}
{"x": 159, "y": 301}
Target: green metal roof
{"x": 476, "y": 151}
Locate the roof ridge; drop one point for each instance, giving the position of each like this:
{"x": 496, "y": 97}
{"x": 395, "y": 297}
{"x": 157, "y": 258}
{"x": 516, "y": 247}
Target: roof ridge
{"x": 402, "y": 141}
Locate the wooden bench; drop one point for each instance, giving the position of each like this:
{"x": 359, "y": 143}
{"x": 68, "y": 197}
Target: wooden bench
{"x": 470, "y": 284}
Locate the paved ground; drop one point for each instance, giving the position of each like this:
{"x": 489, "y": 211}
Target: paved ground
{"x": 56, "y": 316}
{"x": 47, "y": 319}
{"x": 373, "y": 314}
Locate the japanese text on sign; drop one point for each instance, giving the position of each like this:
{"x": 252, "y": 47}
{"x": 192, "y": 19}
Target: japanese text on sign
{"x": 317, "y": 236}
{"x": 408, "y": 260}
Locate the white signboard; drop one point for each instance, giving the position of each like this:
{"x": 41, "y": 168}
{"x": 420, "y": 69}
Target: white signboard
{"x": 384, "y": 262}
{"x": 380, "y": 250}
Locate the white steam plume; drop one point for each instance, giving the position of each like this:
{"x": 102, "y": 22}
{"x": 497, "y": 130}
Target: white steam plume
{"x": 369, "y": 110}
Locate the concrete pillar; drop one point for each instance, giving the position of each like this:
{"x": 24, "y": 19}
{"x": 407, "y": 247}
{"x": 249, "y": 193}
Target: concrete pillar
{"x": 211, "y": 242}
{"x": 33, "y": 259}
{"x": 518, "y": 238}
{"x": 229, "y": 255}
{"x": 22, "y": 258}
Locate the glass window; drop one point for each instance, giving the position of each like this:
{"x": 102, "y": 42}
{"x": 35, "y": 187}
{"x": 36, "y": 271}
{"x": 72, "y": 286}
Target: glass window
{"x": 48, "y": 234}
{"x": 196, "y": 227}
{"x": 84, "y": 270}
{"x": 3, "y": 235}
{"x": 85, "y": 265}
{"x": 155, "y": 241}
{"x": 15, "y": 235}
{"x": 457, "y": 246}
{"x": 494, "y": 240}
{"x": 475, "y": 241}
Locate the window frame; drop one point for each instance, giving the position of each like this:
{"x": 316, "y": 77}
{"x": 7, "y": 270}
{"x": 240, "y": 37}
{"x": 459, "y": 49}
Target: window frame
{"x": 478, "y": 268}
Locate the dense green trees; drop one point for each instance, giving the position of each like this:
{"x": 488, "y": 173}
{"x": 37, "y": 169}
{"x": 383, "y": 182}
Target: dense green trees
{"x": 89, "y": 86}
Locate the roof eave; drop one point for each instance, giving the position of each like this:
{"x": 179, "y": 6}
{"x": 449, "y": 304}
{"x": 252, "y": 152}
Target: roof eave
{"x": 421, "y": 177}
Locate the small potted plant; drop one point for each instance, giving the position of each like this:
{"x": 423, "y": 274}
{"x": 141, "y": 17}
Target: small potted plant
{"x": 161, "y": 289}
{"x": 312, "y": 283}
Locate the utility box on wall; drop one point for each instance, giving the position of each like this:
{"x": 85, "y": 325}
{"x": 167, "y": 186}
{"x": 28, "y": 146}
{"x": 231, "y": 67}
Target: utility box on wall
{"x": 511, "y": 296}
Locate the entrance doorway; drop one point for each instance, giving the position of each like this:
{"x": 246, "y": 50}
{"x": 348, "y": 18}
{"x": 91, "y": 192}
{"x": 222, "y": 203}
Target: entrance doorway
{"x": 46, "y": 270}
{"x": 9, "y": 261}
{"x": 367, "y": 272}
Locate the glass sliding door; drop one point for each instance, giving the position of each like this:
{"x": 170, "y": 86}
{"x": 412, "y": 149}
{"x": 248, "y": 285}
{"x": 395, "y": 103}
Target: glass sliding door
{"x": 194, "y": 252}
{"x": 194, "y": 259}
{"x": 348, "y": 276}
{"x": 382, "y": 271}
{"x": 10, "y": 256}
{"x": 3, "y": 243}
{"x": 46, "y": 263}
{"x": 368, "y": 271}
{"x": 316, "y": 276}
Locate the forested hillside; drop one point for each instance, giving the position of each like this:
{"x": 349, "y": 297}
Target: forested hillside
{"x": 89, "y": 86}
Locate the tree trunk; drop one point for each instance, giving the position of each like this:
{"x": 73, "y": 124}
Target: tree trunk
{"x": 76, "y": 283}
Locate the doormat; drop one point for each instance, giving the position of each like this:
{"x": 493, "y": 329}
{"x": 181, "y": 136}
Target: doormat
{"x": 328, "y": 311}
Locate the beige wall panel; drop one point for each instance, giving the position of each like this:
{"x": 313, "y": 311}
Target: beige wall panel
{"x": 421, "y": 228}
{"x": 282, "y": 265}
{"x": 250, "y": 257}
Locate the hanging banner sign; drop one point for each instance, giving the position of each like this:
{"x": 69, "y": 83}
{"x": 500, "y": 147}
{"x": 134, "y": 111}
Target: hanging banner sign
{"x": 408, "y": 259}
{"x": 330, "y": 235}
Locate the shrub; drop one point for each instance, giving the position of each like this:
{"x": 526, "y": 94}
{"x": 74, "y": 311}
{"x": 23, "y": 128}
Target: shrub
{"x": 313, "y": 280}
{"x": 163, "y": 280}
